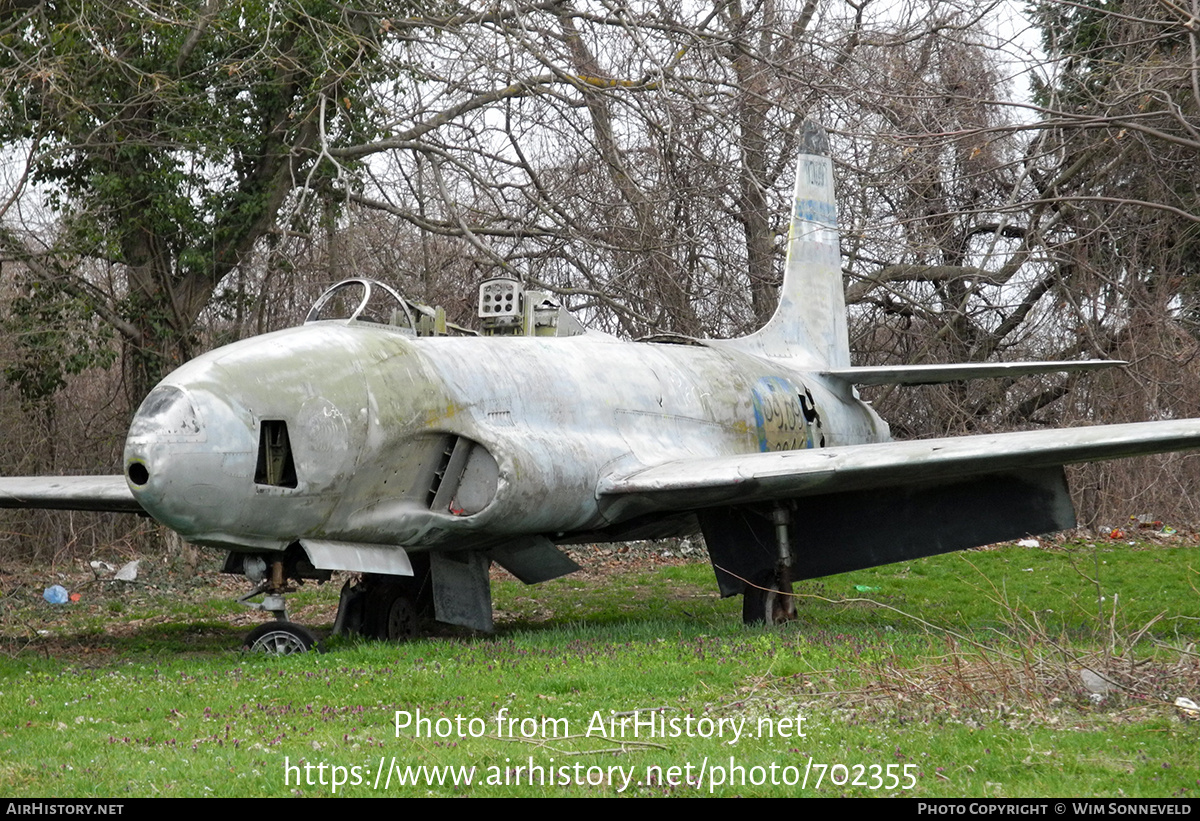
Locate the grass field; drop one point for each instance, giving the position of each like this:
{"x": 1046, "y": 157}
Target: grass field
{"x": 960, "y": 675}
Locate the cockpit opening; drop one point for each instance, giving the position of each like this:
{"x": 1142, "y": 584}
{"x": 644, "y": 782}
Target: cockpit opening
{"x": 363, "y": 300}
{"x": 371, "y": 301}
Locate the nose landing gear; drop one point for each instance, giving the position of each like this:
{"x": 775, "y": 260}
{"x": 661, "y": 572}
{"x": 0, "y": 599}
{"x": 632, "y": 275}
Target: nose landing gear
{"x": 279, "y": 637}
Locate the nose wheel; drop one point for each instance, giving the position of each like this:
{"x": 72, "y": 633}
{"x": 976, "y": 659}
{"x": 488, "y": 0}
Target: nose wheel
{"x": 280, "y": 638}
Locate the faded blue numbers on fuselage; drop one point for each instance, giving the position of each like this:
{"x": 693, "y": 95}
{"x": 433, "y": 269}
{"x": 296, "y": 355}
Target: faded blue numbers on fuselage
{"x": 784, "y": 416}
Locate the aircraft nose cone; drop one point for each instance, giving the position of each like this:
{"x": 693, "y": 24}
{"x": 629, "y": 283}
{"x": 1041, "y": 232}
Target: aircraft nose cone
{"x": 181, "y": 455}
{"x": 167, "y": 416}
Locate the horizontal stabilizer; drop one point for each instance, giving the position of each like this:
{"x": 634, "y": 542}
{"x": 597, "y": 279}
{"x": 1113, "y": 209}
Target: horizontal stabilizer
{"x": 935, "y": 374}
{"x": 694, "y": 484}
{"x": 104, "y": 493}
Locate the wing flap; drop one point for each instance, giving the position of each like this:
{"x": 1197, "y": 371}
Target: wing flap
{"x": 936, "y": 374}
{"x": 699, "y": 483}
{"x": 102, "y": 493}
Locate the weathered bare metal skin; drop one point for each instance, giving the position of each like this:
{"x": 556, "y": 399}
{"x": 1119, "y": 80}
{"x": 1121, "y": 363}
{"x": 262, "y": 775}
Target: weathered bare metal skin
{"x": 366, "y": 402}
{"x": 571, "y": 438}
{"x": 203, "y": 486}
{"x": 361, "y": 444}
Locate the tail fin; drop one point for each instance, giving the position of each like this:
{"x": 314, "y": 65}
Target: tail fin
{"x": 810, "y": 320}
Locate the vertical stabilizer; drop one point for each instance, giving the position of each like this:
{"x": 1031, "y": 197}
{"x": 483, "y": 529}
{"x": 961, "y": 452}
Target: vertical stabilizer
{"x": 810, "y": 321}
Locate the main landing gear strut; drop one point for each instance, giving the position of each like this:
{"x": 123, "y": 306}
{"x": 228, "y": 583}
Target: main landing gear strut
{"x": 768, "y": 599}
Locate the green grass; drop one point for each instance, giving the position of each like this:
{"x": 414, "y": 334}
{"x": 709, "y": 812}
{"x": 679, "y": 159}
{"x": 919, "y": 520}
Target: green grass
{"x": 975, "y": 690}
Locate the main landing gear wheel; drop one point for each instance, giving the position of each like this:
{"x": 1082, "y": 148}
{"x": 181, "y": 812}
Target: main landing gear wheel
{"x": 779, "y": 605}
{"x": 279, "y": 638}
{"x": 768, "y": 602}
{"x": 401, "y": 621}
{"x": 393, "y": 612}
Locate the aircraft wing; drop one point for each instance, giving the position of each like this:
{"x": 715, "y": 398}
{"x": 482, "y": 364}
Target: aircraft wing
{"x": 105, "y": 493}
{"x": 711, "y": 482}
{"x": 934, "y": 374}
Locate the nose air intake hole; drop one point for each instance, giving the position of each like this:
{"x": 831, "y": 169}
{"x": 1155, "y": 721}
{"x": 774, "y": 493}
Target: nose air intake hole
{"x": 275, "y": 463}
{"x": 138, "y": 474}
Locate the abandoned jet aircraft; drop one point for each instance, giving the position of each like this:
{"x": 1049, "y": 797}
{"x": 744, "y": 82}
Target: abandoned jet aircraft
{"x": 377, "y": 439}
